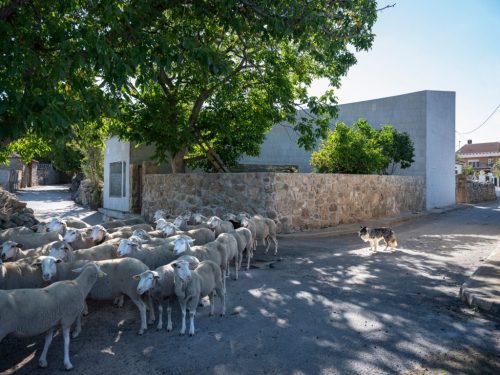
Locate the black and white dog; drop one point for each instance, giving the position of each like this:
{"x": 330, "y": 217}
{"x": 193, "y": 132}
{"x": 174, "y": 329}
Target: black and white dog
{"x": 374, "y": 235}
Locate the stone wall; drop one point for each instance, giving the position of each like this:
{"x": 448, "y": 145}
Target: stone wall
{"x": 14, "y": 213}
{"x": 468, "y": 191}
{"x": 298, "y": 201}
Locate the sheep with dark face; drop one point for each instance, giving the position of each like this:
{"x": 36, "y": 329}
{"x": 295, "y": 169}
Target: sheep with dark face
{"x": 30, "y": 312}
{"x": 190, "y": 286}
{"x": 219, "y": 226}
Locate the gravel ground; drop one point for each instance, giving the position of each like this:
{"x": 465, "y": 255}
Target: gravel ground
{"x": 323, "y": 306}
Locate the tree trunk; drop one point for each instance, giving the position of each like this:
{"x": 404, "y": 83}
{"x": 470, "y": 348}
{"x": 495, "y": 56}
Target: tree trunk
{"x": 177, "y": 161}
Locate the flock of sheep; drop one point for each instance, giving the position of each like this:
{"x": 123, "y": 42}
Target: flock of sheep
{"x": 48, "y": 271}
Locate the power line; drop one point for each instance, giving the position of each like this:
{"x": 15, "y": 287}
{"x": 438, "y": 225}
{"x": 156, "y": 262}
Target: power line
{"x": 484, "y": 122}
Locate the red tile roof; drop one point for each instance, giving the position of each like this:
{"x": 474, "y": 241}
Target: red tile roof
{"x": 480, "y": 147}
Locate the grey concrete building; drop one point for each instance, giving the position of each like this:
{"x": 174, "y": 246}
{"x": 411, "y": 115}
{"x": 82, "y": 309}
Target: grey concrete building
{"x": 428, "y": 117}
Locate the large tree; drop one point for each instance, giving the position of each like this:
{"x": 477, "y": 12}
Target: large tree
{"x": 201, "y": 80}
{"x": 47, "y": 69}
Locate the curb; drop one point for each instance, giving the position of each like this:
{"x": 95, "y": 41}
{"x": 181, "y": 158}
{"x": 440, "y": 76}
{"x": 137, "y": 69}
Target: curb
{"x": 474, "y": 291}
{"x": 383, "y": 221}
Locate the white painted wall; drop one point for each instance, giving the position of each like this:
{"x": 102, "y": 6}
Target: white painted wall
{"x": 440, "y": 148}
{"x": 116, "y": 151}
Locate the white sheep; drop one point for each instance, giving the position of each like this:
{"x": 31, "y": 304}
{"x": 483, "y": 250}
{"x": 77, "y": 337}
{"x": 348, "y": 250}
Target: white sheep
{"x": 74, "y": 222}
{"x": 17, "y": 275}
{"x": 245, "y": 242}
{"x": 12, "y": 251}
{"x": 30, "y": 312}
{"x": 41, "y": 227}
{"x": 131, "y": 228}
{"x": 160, "y": 285}
{"x": 161, "y": 214}
{"x": 120, "y": 280}
{"x": 219, "y": 226}
{"x": 221, "y": 251}
{"x": 76, "y": 239}
{"x": 7, "y": 234}
{"x": 153, "y": 257}
{"x": 262, "y": 229}
{"x": 181, "y": 222}
{"x": 33, "y": 240}
{"x": 190, "y": 286}
{"x": 200, "y": 235}
{"x": 103, "y": 251}
{"x": 58, "y": 225}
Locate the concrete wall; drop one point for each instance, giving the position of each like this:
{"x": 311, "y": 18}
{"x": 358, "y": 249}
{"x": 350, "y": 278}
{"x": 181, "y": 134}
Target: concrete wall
{"x": 427, "y": 116}
{"x": 299, "y": 201}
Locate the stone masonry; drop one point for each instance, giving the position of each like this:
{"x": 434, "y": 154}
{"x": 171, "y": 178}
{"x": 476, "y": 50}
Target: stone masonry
{"x": 468, "y": 191}
{"x": 297, "y": 201}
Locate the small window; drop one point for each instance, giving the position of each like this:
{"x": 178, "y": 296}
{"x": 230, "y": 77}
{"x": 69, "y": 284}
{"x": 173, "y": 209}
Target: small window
{"x": 490, "y": 162}
{"x": 117, "y": 179}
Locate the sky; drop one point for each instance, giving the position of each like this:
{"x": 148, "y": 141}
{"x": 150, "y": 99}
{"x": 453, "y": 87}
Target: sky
{"x": 445, "y": 45}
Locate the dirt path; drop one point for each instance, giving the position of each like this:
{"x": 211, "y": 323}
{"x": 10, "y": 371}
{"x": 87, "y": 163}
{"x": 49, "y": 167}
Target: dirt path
{"x": 55, "y": 200}
{"x": 326, "y": 306}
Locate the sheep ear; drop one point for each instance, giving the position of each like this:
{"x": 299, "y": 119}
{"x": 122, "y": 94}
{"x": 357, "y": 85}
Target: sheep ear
{"x": 136, "y": 277}
{"x": 37, "y": 262}
{"x": 20, "y": 245}
{"x": 78, "y": 270}
{"x": 58, "y": 260}
{"x": 155, "y": 275}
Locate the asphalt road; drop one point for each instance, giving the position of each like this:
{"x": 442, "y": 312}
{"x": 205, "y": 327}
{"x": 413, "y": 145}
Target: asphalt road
{"x": 325, "y": 306}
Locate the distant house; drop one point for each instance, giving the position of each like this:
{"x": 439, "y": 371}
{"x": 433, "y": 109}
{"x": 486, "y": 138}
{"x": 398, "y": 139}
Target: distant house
{"x": 15, "y": 174}
{"x": 481, "y": 156}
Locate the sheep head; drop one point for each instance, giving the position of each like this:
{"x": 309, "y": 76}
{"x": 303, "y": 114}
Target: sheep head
{"x": 60, "y": 249}
{"x": 214, "y": 222}
{"x": 147, "y": 281}
{"x": 169, "y": 229}
{"x": 127, "y": 246}
{"x": 9, "y": 249}
{"x": 48, "y": 266}
{"x": 98, "y": 233}
{"x": 182, "y": 244}
{"x": 160, "y": 223}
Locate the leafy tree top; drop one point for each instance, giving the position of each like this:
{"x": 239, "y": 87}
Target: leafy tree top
{"x": 361, "y": 149}
{"x": 193, "y": 78}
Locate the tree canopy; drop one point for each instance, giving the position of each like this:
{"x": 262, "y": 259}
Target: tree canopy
{"x": 362, "y": 149}
{"x": 202, "y": 81}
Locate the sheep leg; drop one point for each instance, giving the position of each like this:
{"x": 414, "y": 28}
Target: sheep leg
{"x": 191, "y": 322}
{"x": 85, "y": 309}
{"x": 222, "y": 297}
{"x": 119, "y": 301}
{"x": 275, "y": 246}
{"x": 142, "y": 311}
{"x": 159, "y": 326}
{"x": 151, "y": 310}
{"x": 42, "y": 362}
{"x": 211, "y": 297}
{"x": 268, "y": 242}
{"x": 67, "y": 362}
{"x": 249, "y": 255}
{"x": 78, "y": 327}
{"x": 169, "y": 316}
{"x": 183, "y": 322}
{"x": 236, "y": 264}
